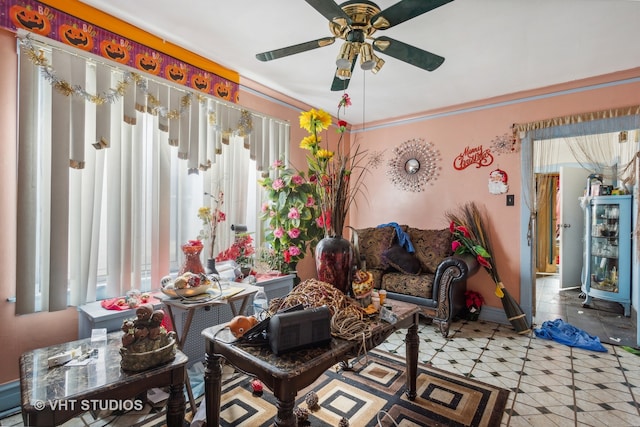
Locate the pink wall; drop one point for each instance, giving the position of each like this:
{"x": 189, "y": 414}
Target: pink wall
{"x": 450, "y": 130}
{"x": 453, "y": 130}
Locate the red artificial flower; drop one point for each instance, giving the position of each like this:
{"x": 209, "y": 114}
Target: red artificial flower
{"x": 463, "y": 230}
{"x": 483, "y": 262}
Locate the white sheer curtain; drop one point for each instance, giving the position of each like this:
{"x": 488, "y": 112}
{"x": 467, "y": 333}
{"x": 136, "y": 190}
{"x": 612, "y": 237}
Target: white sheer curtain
{"x": 110, "y": 184}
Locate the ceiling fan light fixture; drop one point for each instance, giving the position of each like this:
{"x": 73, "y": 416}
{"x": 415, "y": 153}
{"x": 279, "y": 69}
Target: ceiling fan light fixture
{"x": 343, "y": 73}
{"x": 367, "y": 58}
{"x": 378, "y": 66}
{"x": 346, "y": 55}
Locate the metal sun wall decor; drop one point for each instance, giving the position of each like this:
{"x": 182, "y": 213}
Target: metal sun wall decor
{"x": 414, "y": 165}
{"x": 505, "y": 144}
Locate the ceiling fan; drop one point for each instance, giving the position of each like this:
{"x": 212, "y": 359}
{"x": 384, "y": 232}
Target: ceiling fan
{"x": 355, "y": 21}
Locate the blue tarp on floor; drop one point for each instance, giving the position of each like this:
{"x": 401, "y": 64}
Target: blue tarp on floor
{"x": 564, "y": 333}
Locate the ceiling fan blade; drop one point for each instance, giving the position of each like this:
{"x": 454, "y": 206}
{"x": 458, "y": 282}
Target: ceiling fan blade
{"x": 330, "y": 10}
{"x": 407, "y": 53}
{"x": 342, "y": 84}
{"x": 403, "y": 11}
{"x": 297, "y": 48}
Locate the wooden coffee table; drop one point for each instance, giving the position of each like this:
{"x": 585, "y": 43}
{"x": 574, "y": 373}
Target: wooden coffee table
{"x": 52, "y": 396}
{"x": 285, "y": 375}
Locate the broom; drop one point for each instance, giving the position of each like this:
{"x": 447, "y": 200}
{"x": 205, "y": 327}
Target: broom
{"x": 477, "y": 242}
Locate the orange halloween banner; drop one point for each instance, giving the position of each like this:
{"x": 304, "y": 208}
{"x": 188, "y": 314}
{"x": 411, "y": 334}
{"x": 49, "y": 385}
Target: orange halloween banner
{"x": 41, "y": 19}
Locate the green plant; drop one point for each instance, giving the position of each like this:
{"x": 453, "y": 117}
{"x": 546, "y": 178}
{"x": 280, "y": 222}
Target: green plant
{"x": 290, "y": 213}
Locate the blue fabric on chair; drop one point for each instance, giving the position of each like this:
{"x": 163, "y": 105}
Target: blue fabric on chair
{"x": 403, "y": 238}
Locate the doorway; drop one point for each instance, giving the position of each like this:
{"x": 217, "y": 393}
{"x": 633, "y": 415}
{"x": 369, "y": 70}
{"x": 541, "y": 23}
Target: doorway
{"x": 560, "y": 185}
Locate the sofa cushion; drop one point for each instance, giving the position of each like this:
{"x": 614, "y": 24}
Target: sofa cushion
{"x": 416, "y": 285}
{"x": 398, "y": 257}
{"x": 431, "y": 246}
{"x": 372, "y": 242}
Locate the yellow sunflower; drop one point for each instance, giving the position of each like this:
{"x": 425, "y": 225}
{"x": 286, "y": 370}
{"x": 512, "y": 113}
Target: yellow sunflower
{"x": 324, "y": 154}
{"x": 315, "y": 120}
{"x": 310, "y": 141}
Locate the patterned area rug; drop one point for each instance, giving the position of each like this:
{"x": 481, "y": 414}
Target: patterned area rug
{"x": 372, "y": 395}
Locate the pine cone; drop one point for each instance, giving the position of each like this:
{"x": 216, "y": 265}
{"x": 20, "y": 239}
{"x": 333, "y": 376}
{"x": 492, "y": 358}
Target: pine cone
{"x": 301, "y": 414}
{"x": 311, "y": 399}
{"x": 343, "y": 422}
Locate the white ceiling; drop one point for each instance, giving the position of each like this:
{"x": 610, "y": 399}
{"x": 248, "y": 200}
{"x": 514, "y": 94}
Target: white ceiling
{"x": 491, "y": 47}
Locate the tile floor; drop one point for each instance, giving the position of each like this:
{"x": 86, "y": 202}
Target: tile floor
{"x": 551, "y": 384}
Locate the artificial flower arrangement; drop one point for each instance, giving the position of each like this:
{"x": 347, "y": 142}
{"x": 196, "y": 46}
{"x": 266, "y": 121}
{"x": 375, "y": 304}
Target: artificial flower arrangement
{"x": 211, "y": 217}
{"x": 241, "y": 251}
{"x": 338, "y": 175}
{"x": 290, "y": 212}
{"x": 473, "y": 302}
{"x": 471, "y": 236}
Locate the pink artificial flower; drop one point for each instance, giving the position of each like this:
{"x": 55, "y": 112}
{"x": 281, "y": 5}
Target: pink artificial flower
{"x": 310, "y": 201}
{"x": 294, "y": 251}
{"x": 294, "y": 233}
{"x": 455, "y": 245}
{"x": 293, "y": 213}
{"x": 345, "y": 101}
{"x": 265, "y": 206}
{"x": 278, "y": 232}
{"x": 278, "y": 184}
{"x": 297, "y": 180}
{"x": 278, "y": 164}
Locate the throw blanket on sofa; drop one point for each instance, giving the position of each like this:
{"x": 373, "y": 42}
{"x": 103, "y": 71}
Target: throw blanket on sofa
{"x": 403, "y": 238}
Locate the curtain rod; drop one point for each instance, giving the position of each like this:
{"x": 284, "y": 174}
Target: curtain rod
{"x": 577, "y": 118}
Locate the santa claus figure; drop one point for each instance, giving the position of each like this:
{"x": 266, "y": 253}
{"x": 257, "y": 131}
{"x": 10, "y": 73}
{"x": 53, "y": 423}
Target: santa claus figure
{"x": 498, "y": 182}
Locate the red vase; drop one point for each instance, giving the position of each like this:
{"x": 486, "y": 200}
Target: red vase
{"x": 334, "y": 262}
{"x": 192, "y": 261}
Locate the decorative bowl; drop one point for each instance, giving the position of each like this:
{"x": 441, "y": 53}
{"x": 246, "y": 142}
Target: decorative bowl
{"x": 132, "y": 361}
{"x": 186, "y": 292}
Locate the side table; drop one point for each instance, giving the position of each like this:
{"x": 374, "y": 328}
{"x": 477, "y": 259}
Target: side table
{"x": 52, "y": 396}
{"x": 285, "y": 375}
{"x": 178, "y": 305}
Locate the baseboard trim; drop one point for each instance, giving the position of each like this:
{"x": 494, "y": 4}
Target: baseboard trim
{"x": 9, "y": 398}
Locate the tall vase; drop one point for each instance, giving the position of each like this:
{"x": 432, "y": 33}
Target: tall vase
{"x": 334, "y": 262}
{"x": 192, "y": 261}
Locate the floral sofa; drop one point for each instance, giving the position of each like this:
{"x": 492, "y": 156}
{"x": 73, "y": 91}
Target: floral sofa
{"x": 430, "y": 276}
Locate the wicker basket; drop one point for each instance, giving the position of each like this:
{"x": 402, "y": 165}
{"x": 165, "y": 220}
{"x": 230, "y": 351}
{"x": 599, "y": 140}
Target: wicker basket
{"x": 145, "y": 360}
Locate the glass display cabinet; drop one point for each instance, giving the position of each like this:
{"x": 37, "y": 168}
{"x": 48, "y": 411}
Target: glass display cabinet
{"x": 608, "y": 251}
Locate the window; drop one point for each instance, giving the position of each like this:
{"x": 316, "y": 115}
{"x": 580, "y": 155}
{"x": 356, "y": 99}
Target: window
{"x": 113, "y": 167}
